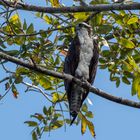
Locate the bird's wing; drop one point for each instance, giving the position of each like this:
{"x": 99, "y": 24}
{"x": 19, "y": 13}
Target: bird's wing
{"x": 92, "y": 67}
{"x": 71, "y": 63}
{"x": 94, "y": 62}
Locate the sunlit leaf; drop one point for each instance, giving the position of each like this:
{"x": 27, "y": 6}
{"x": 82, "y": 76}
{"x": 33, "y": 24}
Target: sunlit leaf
{"x": 15, "y": 18}
{"x": 86, "y": 123}
{"x": 97, "y": 20}
{"x": 91, "y": 128}
{"x": 22, "y": 71}
{"x": 127, "y": 66}
{"x": 43, "y": 81}
{"x": 84, "y": 108}
{"x": 132, "y": 20}
{"x": 47, "y": 19}
{"x": 58, "y": 97}
{"x": 127, "y": 43}
{"x": 135, "y": 85}
{"x": 80, "y": 16}
{"x": 55, "y": 3}
{"x": 83, "y": 126}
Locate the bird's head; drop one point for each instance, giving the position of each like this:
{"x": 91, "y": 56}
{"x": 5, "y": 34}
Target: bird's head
{"x": 84, "y": 25}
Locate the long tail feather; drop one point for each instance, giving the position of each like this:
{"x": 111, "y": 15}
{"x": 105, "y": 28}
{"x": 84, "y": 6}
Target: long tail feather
{"x": 75, "y": 101}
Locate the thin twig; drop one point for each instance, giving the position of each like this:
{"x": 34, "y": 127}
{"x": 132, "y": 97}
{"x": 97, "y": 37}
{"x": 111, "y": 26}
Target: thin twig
{"x": 37, "y": 33}
{"x": 41, "y": 91}
{"x": 6, "y": 78}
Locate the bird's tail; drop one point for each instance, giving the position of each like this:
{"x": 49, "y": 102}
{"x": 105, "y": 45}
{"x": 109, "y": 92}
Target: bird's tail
{"x": 75, "y": 101}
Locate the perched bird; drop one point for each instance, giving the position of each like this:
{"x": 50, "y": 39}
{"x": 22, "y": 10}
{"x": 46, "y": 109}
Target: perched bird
{"x": 81, "y": 62}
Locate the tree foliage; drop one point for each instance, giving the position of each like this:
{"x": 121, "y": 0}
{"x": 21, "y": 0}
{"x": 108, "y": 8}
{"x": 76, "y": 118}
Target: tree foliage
{"x": 24, "y": 38}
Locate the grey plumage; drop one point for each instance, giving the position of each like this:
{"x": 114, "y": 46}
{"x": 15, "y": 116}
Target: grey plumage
{"x": 81, "y": 62}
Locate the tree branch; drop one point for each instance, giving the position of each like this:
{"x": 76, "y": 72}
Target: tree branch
{"x": 94, "y": 90}
{"x": 36, "y": 33}
{"x": 97, "y": 7}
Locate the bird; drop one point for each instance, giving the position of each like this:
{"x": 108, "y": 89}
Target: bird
{"x": 81, "y": 62}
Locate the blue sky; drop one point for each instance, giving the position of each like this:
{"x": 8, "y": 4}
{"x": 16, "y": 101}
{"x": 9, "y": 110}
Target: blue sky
{"x": 111, "y": 120}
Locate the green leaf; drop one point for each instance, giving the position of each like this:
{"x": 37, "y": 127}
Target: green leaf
{"x": 118, "y": 82}
{"x": 106, "y": 53}
{"x": 127, "y": 67}
{"x": 50, "y": 110}
{"x": 104, "y": 29}
{"x": 13, "y": 52}
{"x": 22, "y": 71}
{"x": 126, "y": 43}
{"x": 68, "y": 121}
{"x": 55, "y": 3}
{"x": 58, "y": 97}
{"x": 24, "y": 25}
{"x": 135, "y": 85}
{"x": 56, "y": 124}
{"x": 43, "y": 81}
{"x": 38, "y": 131}
{"x": 34, "y": 136}
{"x": 91, "y": 128}
{"x": 15, "y": 92}
{"x": 57, "y": 60}
{"x": 48, "y": 19}
{"x": 132, "y": 20}
{"x": 46, "y": 128}
{"x": 86, "y": 123}
{"x": 125, "y": 80}
{"x": 15, "y": 19}
{"x": 80, "y": 16}
{"x": 38, "y": 116}
{"x": 18, "y": 79}
{"x": 30, "y": 29}
{"x": 138, "y": 91}
{"x": 45, "y": 110}
{"x": 83, "y": 125}
{"x": 84, "y": 107}
{"x": 89, "y": 114}
{"x": 97, "y": 20}
{"x": 31, "y": 123}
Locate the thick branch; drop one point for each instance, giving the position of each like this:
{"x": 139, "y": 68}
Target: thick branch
{"x": 97, "y": 7}
{"x": 43, "y": 70}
